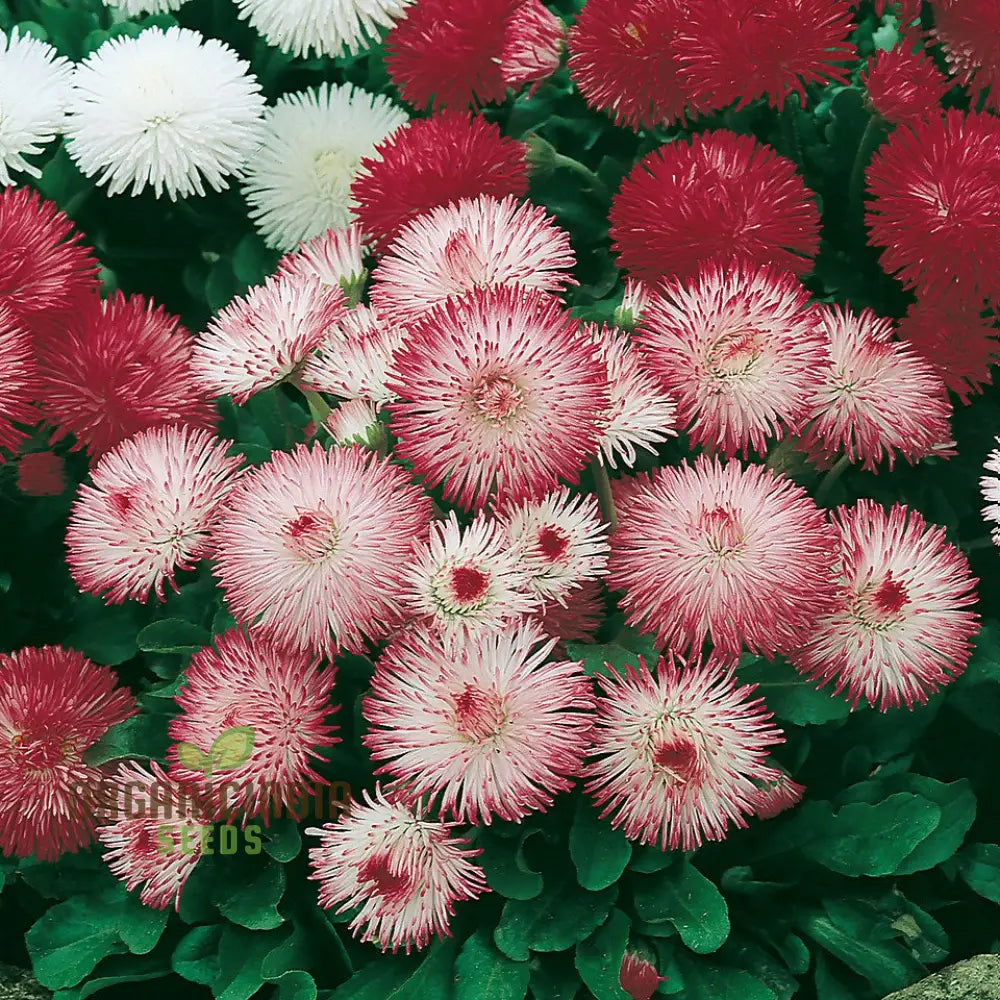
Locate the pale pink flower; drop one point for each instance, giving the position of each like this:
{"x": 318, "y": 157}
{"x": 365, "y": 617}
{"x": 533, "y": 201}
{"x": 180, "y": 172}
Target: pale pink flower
{"x": 734, "y": 554}
{"x": 635, "y": 302}
{"x": 483, "y": 722}
{"x": 402, "y": 871}
{"x": 775, "y": 796}
{"x": 355, "y": 422}
{"x": 741, "y": 352}
{"x": 902, "y": 625}
{"x": 678, "y": 751}
{"x": 533, "y": 44}
{"x": 314, "y": 545}
{"x": 473, "y": 243}
{"x": 149, "y": 513}
{"x": 335, "y": 257}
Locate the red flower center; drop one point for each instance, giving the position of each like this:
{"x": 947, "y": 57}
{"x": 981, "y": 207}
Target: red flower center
{"x": 734, "y": 354}
{"x": 724, "y": 531}
{"x": 40, "y": 751}
{"x": 498, "y": 399}
{"x": 395, "y": 887}
{"x": 479, "y": 715}
{"x": 553, "y": 542}
{"x": 678, "y": 755}
{"x": 469, "y": 584}
{"x": 312, "y": 535}
{"x": 881, "y": 607}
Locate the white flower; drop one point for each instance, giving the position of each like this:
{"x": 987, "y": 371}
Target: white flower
{"x": 34, "y": 89}
{"x": 134, "y": 8}
{"x": 354, "y": 422}
{"x": 990, "y": 485}
{"x": 328, "y": 27}
{"x": 299, "y": 183}
{"x": 167, "y": 109}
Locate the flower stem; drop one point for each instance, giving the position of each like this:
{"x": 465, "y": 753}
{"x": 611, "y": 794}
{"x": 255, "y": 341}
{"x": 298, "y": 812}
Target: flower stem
{"x": 602, "y": 485}
{"x": 830, "y": 479}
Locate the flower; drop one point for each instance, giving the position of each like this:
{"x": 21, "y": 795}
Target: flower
{"x": 116, "y": 367}
{"x": 261, "y": 338}
{"x": 575, "y": 621}
{"x": 314, "y": 544}
{"x": 298, "y": 184}
{"x": 433, "y": 161}
{"x": 19, "y": 386}
{"x": 635, "y": 302}
{"x": 447, "y": 53}
{"x": 677, "y": 751}
{"x": 355, "y": 422}
{"x": 623, "y": 60}
{"x": 280, "y": 697}
{"x": 135, "y": 8}
{"x": 468, "y": 581}
{"x": 474, "y": 243}
{"x": 34, "y": 90}
{"x": 560, "y": 541}
{"x": 403, "y": 872}
{"x": 148, "y": 514}
{"x": 732, "y": 553}
{"x": 740, "y": 50}
{"x": 990, "y": 485}
{"x": 968, "y": 31}
{"x": 936, "y": 204}
{"x": 776, "y": 796}
{"x": 533, "y": 43}
{"x": 638, "y": 976}
{"x": 741, "y": 352}
{"x": 483, "y": 722}
{"x": 877, "y": 397}
{"x": 326, "y": 27}
{"x": 487, "y": 384}
{"x": 901, "y": 627}
{"x": 904, "y": 86}
{"x": 335, "y": 257}
{"x": 54, "y": 705}
{"x": 41, "y": 474}
{"x": 719, "y": 198}
{"x": 44, "y": 269}
{"x": 138, "y": 116}
{"x": 154, "y": 835}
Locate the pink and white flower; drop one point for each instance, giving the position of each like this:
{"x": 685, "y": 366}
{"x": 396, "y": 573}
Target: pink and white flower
{"x": 336, "y": 257}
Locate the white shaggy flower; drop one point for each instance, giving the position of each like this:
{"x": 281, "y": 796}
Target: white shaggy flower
{"x": 135, "y": 8}
{"x": 299, "y": 183}
{"x": 170, "y": 110}
{"x": 990, "y": 485}
{"x": 34, "y": 89}
{"x": 326, "y": 27}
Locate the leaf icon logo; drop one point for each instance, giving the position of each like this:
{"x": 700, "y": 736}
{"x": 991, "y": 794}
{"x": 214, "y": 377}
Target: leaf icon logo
{"x": 191, "y": 757}
{"x": 231, "y": 748}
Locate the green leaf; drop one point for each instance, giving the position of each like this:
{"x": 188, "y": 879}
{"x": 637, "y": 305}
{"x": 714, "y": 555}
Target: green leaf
{"x": 718, "y": 982}
{"x": 599, "y": 852}
{"x": 790, "y": 696}
{"x": 599, "y": 957}
{"x": 648, "y": 859}
{"x": 251, "y": 897}
{"x": 434, "y": 977}
{"x": 506, "y": 870}
{"x": 554, "y": 979}
{"x": 105, "y": 634}
{"x": 979, "y": 866}
{"x": 241, "y": 954}
{"x": 252, "y": 260}
{"x": 957, "y": 804}
{"x": 688, "y": 900}
{"x": 295, "y": 985}
{"x": 283, "y": 841}
{"x": 976, "y": 694}
{"x": 196, "y": 956}
{"x": 115, "y": 971}
{"x": 143, "y": 736}
{"x": 377, "y": 980}
{"x": 596, "y": 658}
{"x": 232, "y": 747}
{"x": 483, "y": 973}
{"x": 173, "y": 635}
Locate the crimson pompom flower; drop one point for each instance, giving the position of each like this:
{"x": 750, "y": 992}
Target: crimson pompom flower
{"x": 314, "y": 546}
{"x": 638, "y": 977}
{"x": 41, "y": 474}
{"x": 877, "y": 398}
{"x": 19, "y": 386}
{"x": 740, "y": 350}
{"x": 969, "y": 33}
{"x": 118, "y": 367}
{"x": 44, "y": 268}
{"x": 484, "y": 722}
{"x": 479, "y": 242}
{"x": 678, "y": 751}
{"x": 403, "y": 871}
{"x": 280, "y": 697}
{"x": 54, "y": 705}
{"x": 499, "y": 395}
{"x": 734, "y": 554}
{"x": 623, "y": 60}
{"x": 936, "y": 204}
{"x": 434, "y": 161}
{"x": 719, "y": 198}
{"x": 448, "y": 52}
{"x": 533, "y": 43}
{"x": 775, "y": 796}
{"x": 904, "y": 86}
{"x": 901, "y": 628}
{"x": 149, "y": 512}
{"x": 258, "y": 340}
{"x": 742, "y": 50}
{"x": 153, "y": 836}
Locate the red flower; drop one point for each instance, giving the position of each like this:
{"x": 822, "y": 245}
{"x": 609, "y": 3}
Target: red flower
{"x": 431, "y": 162}
{"x": 969, "y": 32}
{"x": 18, "y": 383}
{"x": 41, "y": 474}
{"x": 904, "y": 87}
{"x": 533, "y": 45}
{"x": 721, "y": 198}
{"x": 638, "y": 976}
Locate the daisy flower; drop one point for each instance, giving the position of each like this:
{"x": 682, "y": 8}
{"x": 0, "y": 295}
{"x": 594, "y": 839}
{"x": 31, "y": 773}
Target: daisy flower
{"x": 877, "y": 397}
{"x": 323, "y": 27}
{"x": 486, "y": 384}
{"x": 34, "y": 92}
{"x": 483, "y": 722}
{"x": 149, "y": 512}
{"x": 402, "y": 871}
{"x": 533, "y": 44}
{"x": 136, "y": 8}
{"x": 577, "y": 620}
{"x": 719, "y": 198}
{"x": 355, "y": 422}
{"x": 936, "y": 204}
{"x": 335, "y": 257}
{"x": 902, "y": 625}
{"x": 314, "y": 544}
{"x": 54, "y": 705}
{"x": 635, "y": 302}
{"x": 677, "y": 752}
{"x": 118, "y": 366}
{"x": 990, "y": 485}
{"x": 154, "y": 837}
{"x": 731, "y": 553}
{"x": 298, "y": 184}
{"x": 41, "y": 474}
{"x": 281, "y": 697}
{"x": 467, "y": 581}
{"x": 434, "y": 161}
{"x": 473, "y": 243}
{"x": 969, "y": 33}
{"x": 740, "y": 350}
{"x": 904, "y": 86}
{"x": 260, "y": 339}
{"x": 638, "y": 976}
{"x": 19, "y": 386}
{"x": 777, "y": 796}
{"x": 138, "y": 116}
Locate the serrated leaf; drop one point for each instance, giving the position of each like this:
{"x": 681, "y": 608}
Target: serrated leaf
{"x": 231, "y": 748}
{"x": 599, "y": 853}
{"x": 484, "y": 973}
